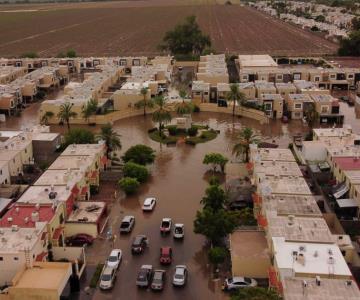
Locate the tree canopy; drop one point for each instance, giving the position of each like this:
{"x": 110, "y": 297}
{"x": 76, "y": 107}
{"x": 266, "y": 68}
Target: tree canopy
{"x": 111, "y": 138}
{"x": 137, "y": 171}
{"x": 79, "y": 136}
{"x": 140, "y": 154}
{"x": 350, "y": 46}
{"x": 216, "y": 160}
{"x": 186, "y": 38}
{"x": 215, "y": 197}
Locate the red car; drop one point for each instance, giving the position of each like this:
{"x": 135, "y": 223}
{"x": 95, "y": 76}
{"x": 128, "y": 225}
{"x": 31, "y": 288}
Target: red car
{"x": 165, "y": 255}
{"x": 80, "y": 239}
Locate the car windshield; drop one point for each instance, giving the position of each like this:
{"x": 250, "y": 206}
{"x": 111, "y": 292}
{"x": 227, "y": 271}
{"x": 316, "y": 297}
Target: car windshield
{"x": 179, "y": 276}
{"x": 113, "y": 258}
{"x": 165, "y": 224}
{"x": 157, "y": 276}
{"x": 178, "y": 230}
{"x": 124, "y": 225}
{"x": 142, "y": 276}
{"x": 247, "y": 280}
{"x": 146, "y": 204}
{"x": 106, "y": 277}
{"x": 137, "y": 241}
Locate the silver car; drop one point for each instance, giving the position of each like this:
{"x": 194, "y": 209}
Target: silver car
{"x": 180, "y": 275}
{"x": 127, "y": 224}
{"x": 107, "y": 278}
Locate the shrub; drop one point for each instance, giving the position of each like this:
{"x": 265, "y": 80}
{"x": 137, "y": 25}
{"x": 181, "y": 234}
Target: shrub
{"x": 140, "y": 154}
{"x": 137, "y": 171}
{"x": 129, "y": 185}
{"x": 196, "y": 109}
{"x": 192, "y": 131}
{"x": 30, "y": 54}
{"x": 71, "y": 53}
{"x": 172, "y": 130}
{"x": 217, "y": 255}
{"x": 79, "y": 136}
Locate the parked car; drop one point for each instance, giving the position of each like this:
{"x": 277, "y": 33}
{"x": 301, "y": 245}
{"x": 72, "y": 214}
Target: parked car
{"x": 158, "y": 280}
{"x": 179, "y": 231}
{"x": 149, "y": 204}
{"x": 180, "y": 275}
{"x": 139, "y": 244}
{"x": 107, "y": 278}
{"x": 144, "y": 276}
{"x": 165, "y": 255}
{"x": 238, "y": 282}
{"x": 127, "y": 224}
{"x": 80, "y": 239}
{"x": 165, "y": 226}
{"x": 114, "y": 259}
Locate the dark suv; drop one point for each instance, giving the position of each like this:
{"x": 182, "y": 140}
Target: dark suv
{"x": 139, "y": 244}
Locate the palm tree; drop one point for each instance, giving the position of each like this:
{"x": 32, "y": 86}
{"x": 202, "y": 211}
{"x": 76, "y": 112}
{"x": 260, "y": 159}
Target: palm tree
{"x": 311, "y": 115}
{"x": 161, "y": 115}
{"x": 183, "y": 107}
{"x": 144, "y": 103}
{"x": 246, "y": 138}
{"x": 111, "y": 138}
{"x": 46, "y": 116}
{"x": 66, "y": 113}
{"x": 89, "y": 109}
{"x": 235, "y": 96}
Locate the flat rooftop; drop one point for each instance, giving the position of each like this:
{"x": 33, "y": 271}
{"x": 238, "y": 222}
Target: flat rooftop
{"x": 299, "y": 259}
{"x": 12, "y": 241}
{"x": 40, "y": 194}
{"x": 255, "y": 247}
{"x": 60, "y": 177}
{"x": 299, "y": 229}
{"x": 72, "y": 162}
{"x": 262, "y": 154}
{"x": 84, "y": 149}
{"x": 288, "y": 185}
{"x": 277, "y": 168}
{"x": 87, "y": 212}
{"x": 329, "y": 289}
{"x": 323, "y": 98}
{"x": 44, "y": 275}
{"x": 297, "y": 205}
{"x": 347, "y": 163}
{"x": 300, "y": 97}
{"x": 333, "y": 132}
{"x": 246, "y": 61}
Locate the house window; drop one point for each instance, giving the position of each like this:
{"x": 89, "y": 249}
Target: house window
{"x": 317, "y": 78}
{"x": 245, "y": 77}
{"x": 122, "y": 62}
{"x": 1, "y": 258}
{"x": 198, "y": 93}
{"x": 16, "y": 258}
{"x": 25, "y": 150}
{"x": 350, "y": 76}
{"x": 298, "y": 106}
{"x": 268, "y": 106}
{"x": 136, "y": 62}
{"x": 206, "y": 93}
{"x": 324, "y": 109}
{"x": 279, "y": 77}
{"x": 333, "y": 76}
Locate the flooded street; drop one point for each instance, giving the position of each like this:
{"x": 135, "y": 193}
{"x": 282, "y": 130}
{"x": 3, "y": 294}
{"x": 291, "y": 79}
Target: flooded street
{"x": 178, "y": 182}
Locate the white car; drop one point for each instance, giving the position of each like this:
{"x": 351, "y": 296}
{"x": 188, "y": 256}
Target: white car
{"x": 149, "y": 204}
{"x": 179, "y": 231}
{"x": 127, "y": 224}
{"x": 165, "y": 226}
{"x": 238, "y": 283}
{"x": 180, "y": 275}
{"x": 107, "y": 278}
{"x": 114, "y": 259}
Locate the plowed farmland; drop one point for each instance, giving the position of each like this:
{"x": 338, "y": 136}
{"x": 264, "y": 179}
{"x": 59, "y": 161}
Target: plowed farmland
{"x": 137, "y": 27}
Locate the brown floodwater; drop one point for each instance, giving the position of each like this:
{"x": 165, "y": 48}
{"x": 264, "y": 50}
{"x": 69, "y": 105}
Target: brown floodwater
{"x": 178, "y": 182}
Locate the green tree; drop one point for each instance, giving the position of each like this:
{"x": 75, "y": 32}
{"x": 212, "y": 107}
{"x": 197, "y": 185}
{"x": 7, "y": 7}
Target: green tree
{"x": 246, "y": 217}
{"x": 246, "y": 138}
{"x": 186, "y": 39}
{"x": 215, "y": 159}
{"x": 46, "y": 116}
{"x": 89, "y": 109}
{"x": 30, "y": 54}
{"x": 215, "y": 225}
{"x": 217, "y": 255}
{"x": 71, "y": 53}
{"x": 79, "y": 136}
{"x": 129, "y": 185}
{"x": 144, "y": 103}
{"x": 320, "y": 18}
{"x": 255, "y": 293}
{"x": 161, "y": 116}
{"x": 137, "y": 171}
{"x": 235, "y": 96}
{"x": 350, "y": 46}
{"x": 311, "y": 115}
{"x": 140, "y": 154}
{"x": 183, "y": 107}
{"x": 355, "y": 23}
{"x": 110, "y": 137}
{"x": 215, "y": 197}
{"x": 66, "y": 113}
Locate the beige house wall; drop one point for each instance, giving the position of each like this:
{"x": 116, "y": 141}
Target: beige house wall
{"x": 75, "y": 228}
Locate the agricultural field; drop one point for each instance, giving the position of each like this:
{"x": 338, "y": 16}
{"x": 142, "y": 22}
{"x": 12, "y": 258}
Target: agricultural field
{"x": 137, "y": 27}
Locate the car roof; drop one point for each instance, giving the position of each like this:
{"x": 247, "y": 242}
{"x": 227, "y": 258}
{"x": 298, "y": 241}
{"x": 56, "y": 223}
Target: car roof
{"x": 148, "y": 200}
{"x": 179, "y": 225}
{"x": 159, "y": 271}
{"x": 165, "y": 249}
{"x": 139, "y": 237}
{"x": 108, "y": 270}
{"x": 238, "y": 278}
{"x": 127, "y": 218}
{"x": 146, "y": 267}
{"x": 166, "y": 219}
{"x": 115, "y": 252}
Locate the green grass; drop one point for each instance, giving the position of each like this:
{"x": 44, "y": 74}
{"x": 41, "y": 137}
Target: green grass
{"x": 95, "y": 278}
{"x": 155, "y": 136}
{"x": 204, "y": 137}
